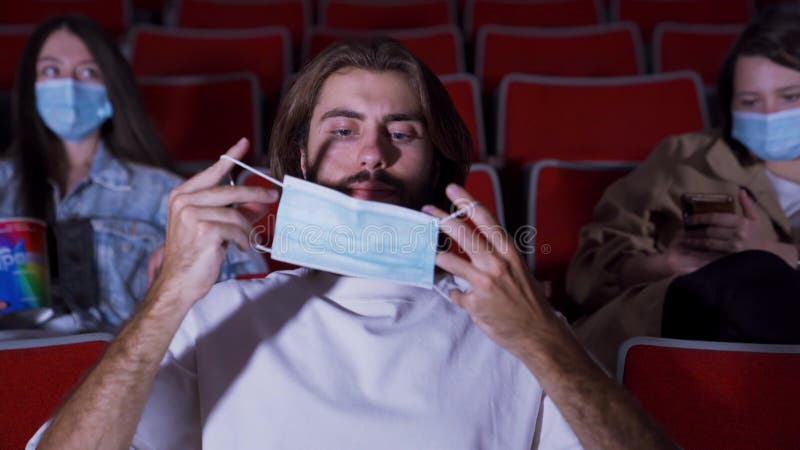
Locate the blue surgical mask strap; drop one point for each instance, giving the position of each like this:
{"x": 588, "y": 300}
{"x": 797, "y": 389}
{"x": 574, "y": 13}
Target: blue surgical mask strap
{"x": 252, "y": 169}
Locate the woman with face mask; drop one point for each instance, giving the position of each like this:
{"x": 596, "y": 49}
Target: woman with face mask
{"x": 86, "y": 160}
{"x": 710, "y": 221}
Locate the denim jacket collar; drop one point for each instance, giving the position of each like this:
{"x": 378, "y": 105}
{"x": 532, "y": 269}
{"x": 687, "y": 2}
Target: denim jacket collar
{"x": 108, "y": 171}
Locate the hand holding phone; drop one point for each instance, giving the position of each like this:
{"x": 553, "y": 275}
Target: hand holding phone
{"x": 705, "y": 203}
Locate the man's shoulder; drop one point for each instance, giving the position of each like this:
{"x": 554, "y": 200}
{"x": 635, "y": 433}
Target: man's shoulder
{"x": 233, "y": 297}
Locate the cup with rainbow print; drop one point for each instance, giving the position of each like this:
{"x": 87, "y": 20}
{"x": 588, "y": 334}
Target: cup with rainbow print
{"x": 24, "y": 270}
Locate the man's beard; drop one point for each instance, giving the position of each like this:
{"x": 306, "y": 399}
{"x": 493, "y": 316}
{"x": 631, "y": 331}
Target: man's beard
{"x": 413, "y": 199}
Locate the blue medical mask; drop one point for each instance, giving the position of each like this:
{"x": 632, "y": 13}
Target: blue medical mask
{"x": 324, "y": 229}
{"x": 72, "y": 109}
{"x": 771, "y": 137}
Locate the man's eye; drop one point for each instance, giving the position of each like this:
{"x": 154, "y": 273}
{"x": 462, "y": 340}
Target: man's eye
{"x": 342, "y": 132}
{"x": 398, "y": 136}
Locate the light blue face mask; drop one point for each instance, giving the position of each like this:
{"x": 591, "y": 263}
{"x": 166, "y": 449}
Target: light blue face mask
{"x": 771, "y": 137}
{"x": 72, "y": 109}
{"x": 324, "y": 229}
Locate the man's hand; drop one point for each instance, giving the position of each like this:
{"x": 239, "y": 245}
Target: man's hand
{"x": 201, "y": 223}
{"x": 104, "y": 410}
{"x": 726, "y": 233}
{"x": 504, "y": 301}
{"x": 506, "y": 304}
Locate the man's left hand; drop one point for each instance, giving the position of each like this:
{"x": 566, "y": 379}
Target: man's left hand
{"x": 504, "y": 301}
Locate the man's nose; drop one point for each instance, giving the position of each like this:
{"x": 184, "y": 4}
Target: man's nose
{"x": 375, "y": 151}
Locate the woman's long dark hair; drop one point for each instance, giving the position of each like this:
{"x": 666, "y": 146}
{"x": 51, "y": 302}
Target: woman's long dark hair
{"x": 38, "y": 154}
{"x": 774, "y": 35}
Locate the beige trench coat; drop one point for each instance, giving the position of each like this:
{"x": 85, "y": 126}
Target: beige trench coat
{"x": 640, "y": 214}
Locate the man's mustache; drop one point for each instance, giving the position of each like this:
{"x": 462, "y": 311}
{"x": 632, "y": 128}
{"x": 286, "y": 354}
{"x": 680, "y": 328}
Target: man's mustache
{"x": 365, "y": 175}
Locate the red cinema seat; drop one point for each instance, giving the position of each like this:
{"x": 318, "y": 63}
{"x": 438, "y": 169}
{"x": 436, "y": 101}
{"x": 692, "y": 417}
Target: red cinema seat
{"x": 12, "y": 41}
{"x": 530, "y": 13}
{"x": 592, "y": 51}
{"x": 386, "y": 14}
{"x": 266, "y": 52}
{"x": 484, "y": 185}
{"x": 295, "y": 15}
{"x": 701, "y": 48}
{"x": 561, "y": 199}
{"x": 648, "y": 13}
{"x": 716, "y": 395}
{"x": 200, "y": 117}
{"x": 619, "y": 118}
{"x": 113, "y": 15}
{"x": 441, "y": 48}
{"x": 465, "y": 91}
{"x": 37, "y": 375}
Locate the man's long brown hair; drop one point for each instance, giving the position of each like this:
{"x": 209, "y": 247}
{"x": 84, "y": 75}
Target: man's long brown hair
{"x": 448, "y": 134}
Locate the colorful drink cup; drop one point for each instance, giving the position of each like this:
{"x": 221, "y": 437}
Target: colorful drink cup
{"x": 24, "y": 270}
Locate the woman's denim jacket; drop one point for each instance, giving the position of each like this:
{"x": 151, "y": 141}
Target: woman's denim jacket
{"x": 127, "y": 205}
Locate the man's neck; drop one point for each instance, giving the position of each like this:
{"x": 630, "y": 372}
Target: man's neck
{"x": 789, "y": 170}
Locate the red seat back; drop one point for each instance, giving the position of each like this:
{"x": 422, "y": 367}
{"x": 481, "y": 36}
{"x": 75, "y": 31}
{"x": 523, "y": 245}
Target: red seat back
{"x": 441, "y": 48}
{"x": 595, "y": 118}
{"x": 561, "y": 199}
{"x": 12, "y": 41}
{"x": 647, "y": 13}
{"x": 386, "y": 14}
{"x": 294, "y": 15}
{"x": 700, "y": 48}
{"x": 535, "y": 13}
{"x": 37, "y": 375}
{"x": 113, "y": 15}
{"x": 198, "y": 118}
{"x": 600, "y": 50}
{"x": 714, "y": 394}
{"x": 484, "y": 185}
{"x": 465, "y": 92}
{"x": 165, "y": 52}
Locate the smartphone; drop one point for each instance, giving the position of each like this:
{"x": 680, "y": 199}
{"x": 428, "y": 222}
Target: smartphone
{"x": 706, "y": 203}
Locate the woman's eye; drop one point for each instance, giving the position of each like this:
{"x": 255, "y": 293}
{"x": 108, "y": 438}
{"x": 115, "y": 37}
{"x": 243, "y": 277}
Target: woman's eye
{"x": 791, "y": 98}
{"x": 49, "y": 71}
{"x": 88, "y": 73}
{"x": 747, "y": 103}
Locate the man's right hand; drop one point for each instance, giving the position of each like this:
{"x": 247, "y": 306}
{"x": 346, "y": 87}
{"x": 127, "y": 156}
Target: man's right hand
{"x": 201, "y": 223}
{"x": 104, "y": 411}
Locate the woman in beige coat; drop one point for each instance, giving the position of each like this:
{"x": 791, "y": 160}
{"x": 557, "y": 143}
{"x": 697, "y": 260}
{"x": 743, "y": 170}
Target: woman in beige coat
{"x": 639, "y": 241}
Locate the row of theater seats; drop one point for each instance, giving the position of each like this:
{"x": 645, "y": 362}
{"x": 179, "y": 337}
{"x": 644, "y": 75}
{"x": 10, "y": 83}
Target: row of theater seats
{"x": 471, "y": 15}
{"x": 705, "y": 394}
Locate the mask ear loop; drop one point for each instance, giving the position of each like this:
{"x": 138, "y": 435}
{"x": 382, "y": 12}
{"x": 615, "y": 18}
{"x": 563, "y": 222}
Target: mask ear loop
{"x": 460, "y": 212}
{"x": 253, "y": 170}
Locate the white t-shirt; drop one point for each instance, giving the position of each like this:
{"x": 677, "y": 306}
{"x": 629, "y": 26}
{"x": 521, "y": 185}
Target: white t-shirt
{"x": 789, "y": 197}
{"x": 310, "y": 360}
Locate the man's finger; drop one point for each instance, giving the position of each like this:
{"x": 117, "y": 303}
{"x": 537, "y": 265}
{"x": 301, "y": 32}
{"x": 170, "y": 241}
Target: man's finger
{"x": 217, "y": 172}
{"x": 457, "y": 265}
{"x": 226, "y": 195}
{"x": 484, "y": 220}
